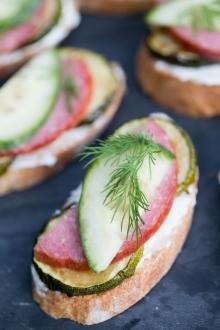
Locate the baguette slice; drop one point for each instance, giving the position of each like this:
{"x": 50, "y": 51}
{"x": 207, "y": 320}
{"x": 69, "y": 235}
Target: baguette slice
{"x": 68, "y": 20}
{"x": 160, "y": 253}
{"x": 62, "y": 150}
{"x": 186, "y": 97}
{"x": 114, "y": 6}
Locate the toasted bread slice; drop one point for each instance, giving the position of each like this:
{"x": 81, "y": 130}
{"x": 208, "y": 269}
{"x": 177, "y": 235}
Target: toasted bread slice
{"x": 114, "y": 6}
{"x": 160, "y": 253}
{"x": 68, "y": 20}
{"x": 62, "y": 150}
{"x": 186, "y": 97}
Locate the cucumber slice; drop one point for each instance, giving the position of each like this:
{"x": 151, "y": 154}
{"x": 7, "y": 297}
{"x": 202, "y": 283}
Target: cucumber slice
{"x": 199, "y": 14}
{"x": 15, "y": 12}
{"x": 97, "y": 230}
{"x": 163, "y": 45}
{"x": 28, "y": 98}
{"x": 185, "y": 153}
{"x": 104, "y": 82}
{"x": 78, "y": 283}
{"x": 5, "y": 162}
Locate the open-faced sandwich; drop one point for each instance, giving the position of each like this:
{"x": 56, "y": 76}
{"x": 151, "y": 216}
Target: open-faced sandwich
{"x": 122, "y": 231}
{"x": 28, "y": 27}
{"x": 115, "y": 6}
{"x": 56, "y": 103}
{"x": 178, "y": 63}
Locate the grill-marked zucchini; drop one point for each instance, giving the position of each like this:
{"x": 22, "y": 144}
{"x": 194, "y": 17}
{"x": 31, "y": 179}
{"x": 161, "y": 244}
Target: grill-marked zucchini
{"x": 185, "y": 153}
{"x": 163, "y": 45}
{"x": 95, "y": 113}
{"x": 4, "y": 164}
{"x": 53, "y": 280}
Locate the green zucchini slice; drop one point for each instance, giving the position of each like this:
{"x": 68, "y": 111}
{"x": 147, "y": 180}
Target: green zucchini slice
{"x": 164, "y": 46}
{"x": 75, "y": 283}
{"x": 185, "y": 153}
{"x": 27, "y": 99}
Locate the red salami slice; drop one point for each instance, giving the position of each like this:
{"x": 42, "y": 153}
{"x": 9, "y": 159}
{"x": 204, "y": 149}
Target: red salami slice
{"x": 205, "y": 43}
{"x": 21, "y": 34}
{"x": 157, "y": 133}
{"x": 62, "y": 118}
{"x": 60, "y": 247}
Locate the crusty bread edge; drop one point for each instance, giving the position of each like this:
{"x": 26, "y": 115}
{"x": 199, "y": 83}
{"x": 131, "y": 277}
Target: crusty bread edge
{"x": 186, "y": 97}
{"x": 12, "y": 61}
{"x": 22, "y": 178}
{"x": 97, "y": 308}
{"x": 114, "y": 6}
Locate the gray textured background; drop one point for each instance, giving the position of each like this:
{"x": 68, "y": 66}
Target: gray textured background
{"x": 189, "y": 296}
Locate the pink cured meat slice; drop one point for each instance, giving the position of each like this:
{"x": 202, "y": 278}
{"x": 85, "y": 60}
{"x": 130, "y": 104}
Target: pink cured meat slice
{"x": 19, "y": 35}
{"x": 205, "y": 43}
{"x": 62, "y": 118}
{"x": 60, "y": 247}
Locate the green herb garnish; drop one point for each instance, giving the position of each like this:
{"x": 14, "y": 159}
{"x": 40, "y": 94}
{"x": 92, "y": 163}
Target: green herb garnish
{"x": 70, "y": 91}
{"x": 201, "y": 17}
{"x": 126, "y": 154}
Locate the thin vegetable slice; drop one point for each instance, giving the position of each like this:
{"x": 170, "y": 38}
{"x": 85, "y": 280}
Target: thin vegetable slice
{"x": 27, "y": 99}
{"x": 79, "y": 283}
{"x": 4, "y": 164}
{"x": 166, "y": 47}
{"x": 184, "y": 151}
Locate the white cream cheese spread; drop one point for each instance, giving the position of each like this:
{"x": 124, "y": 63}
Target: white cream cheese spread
{"x": 206, "y": 75}
{"x": 162, "y": 238}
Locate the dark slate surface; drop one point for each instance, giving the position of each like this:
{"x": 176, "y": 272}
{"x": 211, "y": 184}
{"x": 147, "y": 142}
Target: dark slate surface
{"x": 189, "y": 296}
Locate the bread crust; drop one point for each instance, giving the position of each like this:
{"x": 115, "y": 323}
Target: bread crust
{"x": 185, "y": 97}
{"x": 97, "y": 308}
{"x": 114, "y": 6}
{"x": 12, "y": 61}
{"x": 22, "y": 178}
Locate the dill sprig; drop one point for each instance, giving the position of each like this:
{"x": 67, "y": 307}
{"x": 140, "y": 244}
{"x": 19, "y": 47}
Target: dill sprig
{"x": 70, "y": 91}
{"x": 203, "y": 16}
{"x": 126, "y": 154}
